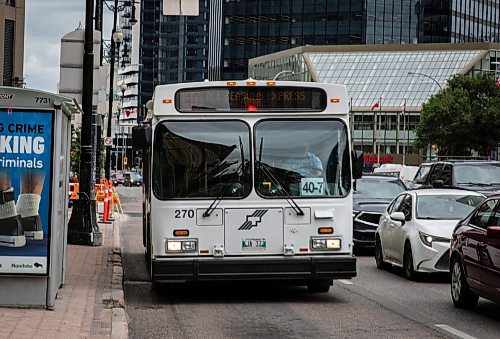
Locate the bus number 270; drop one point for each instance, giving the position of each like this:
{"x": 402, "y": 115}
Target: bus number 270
{"x": 180, "y": 214}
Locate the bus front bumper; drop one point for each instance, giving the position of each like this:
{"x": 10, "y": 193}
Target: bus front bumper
{"x": 258, "y": 268}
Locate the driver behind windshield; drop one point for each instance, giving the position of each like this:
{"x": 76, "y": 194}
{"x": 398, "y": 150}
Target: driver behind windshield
{"x": 305, "y": 163}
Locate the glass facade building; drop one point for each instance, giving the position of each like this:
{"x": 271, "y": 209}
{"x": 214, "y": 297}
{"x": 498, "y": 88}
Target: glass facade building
{"x": 387, "y": 84}
{"x": 219, "y": 42}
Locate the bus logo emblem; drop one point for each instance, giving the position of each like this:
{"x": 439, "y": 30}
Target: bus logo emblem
{"x": 252, "y": 220}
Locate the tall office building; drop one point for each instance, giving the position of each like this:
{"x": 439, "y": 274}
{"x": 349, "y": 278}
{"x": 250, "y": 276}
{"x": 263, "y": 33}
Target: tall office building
{"x": 172, "y": 48}
{"x": 218, "y": 43}
{"x": 12, "y": 15}
{"x": 254, "y": 28}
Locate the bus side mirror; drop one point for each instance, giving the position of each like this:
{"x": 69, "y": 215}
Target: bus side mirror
{"x": 357, "y": 164}
{"x": 141, "y": 136}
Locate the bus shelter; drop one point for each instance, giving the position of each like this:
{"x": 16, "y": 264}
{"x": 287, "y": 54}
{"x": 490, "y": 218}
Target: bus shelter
{"x": 35, "y": 139}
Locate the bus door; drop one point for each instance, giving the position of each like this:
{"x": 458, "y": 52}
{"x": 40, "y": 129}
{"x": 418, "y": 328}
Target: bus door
{"x": 254, "y": 231}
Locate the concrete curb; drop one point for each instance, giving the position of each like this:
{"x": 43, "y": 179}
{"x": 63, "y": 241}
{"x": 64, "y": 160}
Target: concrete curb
{"x": 119, "y": 319}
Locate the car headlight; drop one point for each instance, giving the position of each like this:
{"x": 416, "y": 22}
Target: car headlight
{"x": 325, "y": 244}
{"x": 179, "y": 246}
{"x": 428, "y": 239}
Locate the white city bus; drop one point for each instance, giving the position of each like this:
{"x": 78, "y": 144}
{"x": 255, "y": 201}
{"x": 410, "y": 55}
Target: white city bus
{"x": 224, "y": 198}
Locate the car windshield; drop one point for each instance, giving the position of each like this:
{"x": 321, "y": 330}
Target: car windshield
{"x": 481, "y": 174}
{"x": 378, "y": 188}
{"x": 446, "y": 207}
{"x": 201, "y": 159}
{"x": 422, "y": 172}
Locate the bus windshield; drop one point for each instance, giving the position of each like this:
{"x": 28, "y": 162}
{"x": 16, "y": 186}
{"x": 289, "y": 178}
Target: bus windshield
{"x": 201, "y": 159}
{"x": 303, "y": 158}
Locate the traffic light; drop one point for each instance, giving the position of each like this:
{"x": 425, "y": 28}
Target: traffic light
{"x": 125, "y": 160}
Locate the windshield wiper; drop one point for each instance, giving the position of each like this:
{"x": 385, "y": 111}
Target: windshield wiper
{"x": 217, "y": 200}
{"x": 285, "y": 194}
{"x": 474, "y": 184}
{"x": 221, "y": 193}
{"x": 427, "y": 218}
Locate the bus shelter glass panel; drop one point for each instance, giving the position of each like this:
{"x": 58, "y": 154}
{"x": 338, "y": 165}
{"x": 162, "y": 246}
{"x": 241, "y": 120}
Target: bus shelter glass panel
{"x": 201, "y": 159}
{"x": 302, "y": 158}
{"x": 25, "y": 190}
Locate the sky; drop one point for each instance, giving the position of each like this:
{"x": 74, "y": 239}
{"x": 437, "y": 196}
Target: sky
{"x": 46, "y": 22}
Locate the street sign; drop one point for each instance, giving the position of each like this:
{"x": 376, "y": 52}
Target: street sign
{"x": 108, "y": 141}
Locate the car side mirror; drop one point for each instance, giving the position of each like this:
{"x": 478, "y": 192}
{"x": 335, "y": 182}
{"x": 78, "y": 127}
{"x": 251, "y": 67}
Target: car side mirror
{"x": 438, "y": 183}
{"x": 141, "y": 136}
{"x": 493, "y": 232}
{"x": 398, "y": 216}
{"x": 357, "y": 164}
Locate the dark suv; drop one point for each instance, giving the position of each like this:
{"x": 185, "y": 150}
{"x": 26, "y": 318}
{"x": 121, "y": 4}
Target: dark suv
{"x": 476, "y": 175}
{"x": 372, "y": 195}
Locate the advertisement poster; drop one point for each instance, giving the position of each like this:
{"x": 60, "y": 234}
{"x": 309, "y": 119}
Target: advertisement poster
{"x": 25, "y": 190}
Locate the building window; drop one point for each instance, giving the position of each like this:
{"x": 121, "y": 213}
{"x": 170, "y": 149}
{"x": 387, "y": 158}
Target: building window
{"x": 8, "y": 51}
{"x": 10, "y": 3}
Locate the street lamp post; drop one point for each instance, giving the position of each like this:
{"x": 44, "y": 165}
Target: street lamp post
{"x": 283, "y": 72}
{"x": 440, "y": 88}
{"x": 427, "y": 76}
{"x": 117, "y": 38}
{"x": 123, "y": 88}
{"x": 82, "y": 226}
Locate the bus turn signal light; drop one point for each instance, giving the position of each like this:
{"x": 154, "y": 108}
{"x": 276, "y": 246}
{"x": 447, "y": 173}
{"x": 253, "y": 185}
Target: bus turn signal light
{"x": 231, "y": 83}
{"x": 251, "y": 83}
{"x": 325, "y": 230}
{"x": 335, "y": 100}
{"x": 167, "y": 101}
{"x": 181, "y": 233}
{"x": 271, "y": 83}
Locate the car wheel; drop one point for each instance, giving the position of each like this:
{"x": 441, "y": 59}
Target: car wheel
{"x": 408, "y": 268}
{"x": 379, "y": 257}
{"x": 460, "y": 292}
{"x": 319, "y": 286}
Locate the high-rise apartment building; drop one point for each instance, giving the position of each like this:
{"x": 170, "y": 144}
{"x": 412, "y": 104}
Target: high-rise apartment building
{"x": 12, "y": 15}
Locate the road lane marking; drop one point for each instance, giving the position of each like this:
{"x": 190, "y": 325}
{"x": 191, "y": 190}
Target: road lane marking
{"x": 345, "y": 282}
{"x": 454, "y": 331}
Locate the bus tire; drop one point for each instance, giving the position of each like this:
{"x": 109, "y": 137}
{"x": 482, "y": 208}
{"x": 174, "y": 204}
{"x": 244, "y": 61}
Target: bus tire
{"x": 319, "y": 286}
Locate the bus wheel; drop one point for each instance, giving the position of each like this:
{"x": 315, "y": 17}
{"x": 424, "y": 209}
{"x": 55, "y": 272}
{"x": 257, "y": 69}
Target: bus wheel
{"x": 319, "y": 286}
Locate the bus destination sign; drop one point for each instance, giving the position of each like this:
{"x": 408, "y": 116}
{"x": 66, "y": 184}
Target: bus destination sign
{"x": 247, "y": 99}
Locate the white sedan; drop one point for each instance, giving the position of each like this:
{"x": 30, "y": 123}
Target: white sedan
{"x": 415, "y": 230}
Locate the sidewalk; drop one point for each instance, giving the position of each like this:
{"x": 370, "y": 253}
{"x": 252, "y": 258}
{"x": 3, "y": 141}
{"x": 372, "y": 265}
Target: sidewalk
{"x": 89, "y": 305}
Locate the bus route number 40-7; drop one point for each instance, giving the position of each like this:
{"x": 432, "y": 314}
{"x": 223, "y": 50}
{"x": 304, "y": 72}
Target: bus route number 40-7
{"x": 311, "y": 186}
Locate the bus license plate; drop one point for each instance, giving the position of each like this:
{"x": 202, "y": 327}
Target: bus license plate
{"x": 253, "y": 244}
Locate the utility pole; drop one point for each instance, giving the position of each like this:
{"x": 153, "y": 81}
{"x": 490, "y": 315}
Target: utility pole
{"x": 82, "y": 227}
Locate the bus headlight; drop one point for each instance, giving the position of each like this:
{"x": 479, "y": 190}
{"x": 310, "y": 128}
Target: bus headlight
{"x": 325, "y": 244}
{"x": 179, "y": 246}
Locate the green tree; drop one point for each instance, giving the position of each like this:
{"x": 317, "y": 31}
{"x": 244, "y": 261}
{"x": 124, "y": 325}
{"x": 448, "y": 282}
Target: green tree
{"x": 75, "y": 150}
{"x": 465, "y": 116}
